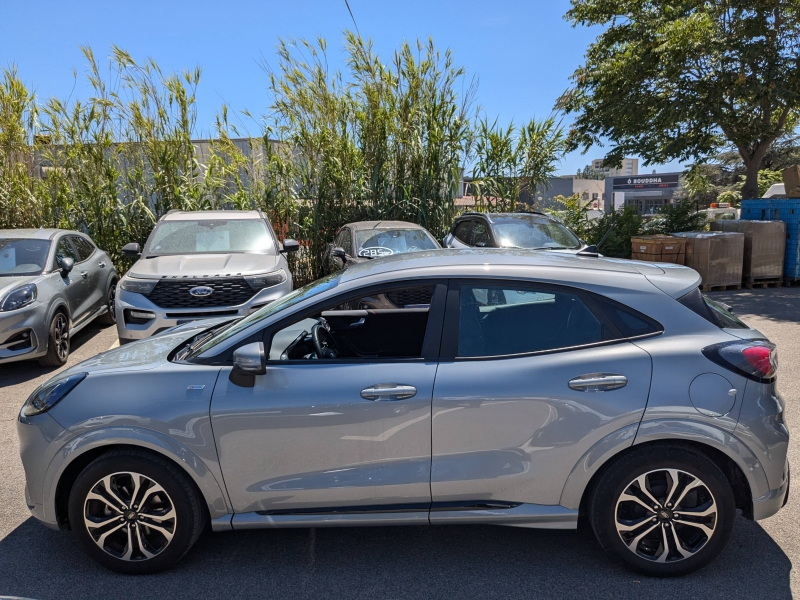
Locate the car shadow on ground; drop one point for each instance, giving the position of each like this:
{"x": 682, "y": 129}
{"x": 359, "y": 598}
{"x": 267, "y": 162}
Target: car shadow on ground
{"x": 388, "y": 562}
{"x": 24, "y": 370}
{"x": 777, "y": 304}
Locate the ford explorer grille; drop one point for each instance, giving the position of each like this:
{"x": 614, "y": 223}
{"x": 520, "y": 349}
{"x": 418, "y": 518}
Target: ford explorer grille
{"x": 175, "y": 293}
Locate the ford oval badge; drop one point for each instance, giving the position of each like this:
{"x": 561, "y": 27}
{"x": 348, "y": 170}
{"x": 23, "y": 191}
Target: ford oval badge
{"x": 201, "y": 291}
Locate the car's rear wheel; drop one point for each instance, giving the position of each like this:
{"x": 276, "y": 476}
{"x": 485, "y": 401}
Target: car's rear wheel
{"x": 57, "y": 342}
{"x": 663, "y": 511}
{"x": 134, "y": 512}
{"x": 109, "y": 318}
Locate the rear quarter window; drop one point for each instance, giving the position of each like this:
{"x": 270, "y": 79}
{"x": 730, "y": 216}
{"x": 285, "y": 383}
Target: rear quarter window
{"x": 712, "y": 311}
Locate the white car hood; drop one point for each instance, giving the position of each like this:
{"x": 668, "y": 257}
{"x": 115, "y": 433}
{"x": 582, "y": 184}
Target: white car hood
{"x": 203, "y": 265}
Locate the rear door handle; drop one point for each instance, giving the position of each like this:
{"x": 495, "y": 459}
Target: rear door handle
{"x": 101, "y": 264}
{"x": 598, "y": 382}
{"x": 84, "y": 274}
{"x": 389, "y": 391}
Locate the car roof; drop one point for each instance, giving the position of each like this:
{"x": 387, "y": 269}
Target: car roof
{"x": 210, "y": 215}
{"x": 360, "y": 225}
{"x": 674, "y": 280}
{"x": 492, "y": 216}
{"x": 36, "y": 234}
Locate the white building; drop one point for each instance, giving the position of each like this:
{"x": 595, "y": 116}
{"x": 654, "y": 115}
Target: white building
{"x": 630, "y": 166}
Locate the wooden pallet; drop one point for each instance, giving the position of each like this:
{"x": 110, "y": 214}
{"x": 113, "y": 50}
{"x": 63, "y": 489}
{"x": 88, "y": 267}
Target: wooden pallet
{"x": 720, "y": 288}
{"x": 763, "y": 283}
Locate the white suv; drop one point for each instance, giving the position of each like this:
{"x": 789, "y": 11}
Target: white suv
{"x": 198, "y": 265}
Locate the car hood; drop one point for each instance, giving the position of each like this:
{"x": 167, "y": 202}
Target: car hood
{"x": 144, "y": 354}
{"x": 204, "y": 265}
{"x": 9, "y": 283}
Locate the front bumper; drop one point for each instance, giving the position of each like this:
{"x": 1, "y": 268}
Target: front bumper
{"x": 31, "y": 319}
{"x": 166, "y": 318}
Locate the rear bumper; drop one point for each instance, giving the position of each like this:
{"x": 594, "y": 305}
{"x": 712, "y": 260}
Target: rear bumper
{"x": 771, "y": 502}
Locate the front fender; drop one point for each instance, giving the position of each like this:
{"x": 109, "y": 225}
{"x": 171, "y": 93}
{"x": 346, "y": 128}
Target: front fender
{"x": 213, "y": 492}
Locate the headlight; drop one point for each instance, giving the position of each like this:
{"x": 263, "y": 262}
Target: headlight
{"x": 50, "y": 393}
{"x": 139, "y": 286}
{"x": 20, "y": 297}
{"x": 265, "y": 280}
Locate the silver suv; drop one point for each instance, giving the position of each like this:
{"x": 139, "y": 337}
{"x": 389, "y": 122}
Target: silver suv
{"x": 515, "y": 388}
{"x": 53, "y": 282}
{"x": 199, "y": 265}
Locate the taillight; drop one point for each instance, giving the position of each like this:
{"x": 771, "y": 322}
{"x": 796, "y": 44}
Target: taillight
{"x": 756, "y": 360}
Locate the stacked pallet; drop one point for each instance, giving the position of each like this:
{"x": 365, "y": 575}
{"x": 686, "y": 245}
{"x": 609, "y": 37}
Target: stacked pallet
{"x": 764, "y": 246}
{"x": 658, "y": 248}
{"x": 787, "y": 211}
{"x": 717, "y": 256}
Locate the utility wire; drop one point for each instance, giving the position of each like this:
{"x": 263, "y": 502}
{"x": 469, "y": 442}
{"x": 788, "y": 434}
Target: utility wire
{"x": 347, "y": 4}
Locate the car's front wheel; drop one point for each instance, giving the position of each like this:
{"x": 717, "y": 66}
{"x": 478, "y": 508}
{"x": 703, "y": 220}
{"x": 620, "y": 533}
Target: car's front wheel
{"x": 57, "y": 342}
{"x": 663, "y": 511}
{"x": 135, "y": 512}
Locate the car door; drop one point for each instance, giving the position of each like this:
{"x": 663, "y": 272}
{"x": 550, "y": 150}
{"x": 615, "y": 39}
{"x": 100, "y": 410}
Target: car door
{"x": 90, "y": 269}
{"x": 531, "y": 376}
{"x": 346, "y": 433}
{"x": 73, "y": 286}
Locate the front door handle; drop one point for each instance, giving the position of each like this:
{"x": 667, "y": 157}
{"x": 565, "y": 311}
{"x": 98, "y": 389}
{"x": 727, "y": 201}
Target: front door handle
{"x": 389, "y": 391}
{"x": 360, "y": 323}
{"x": 598, "y": 382}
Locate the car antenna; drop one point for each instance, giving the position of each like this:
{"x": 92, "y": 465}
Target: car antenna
{"x": 594, "y": 249}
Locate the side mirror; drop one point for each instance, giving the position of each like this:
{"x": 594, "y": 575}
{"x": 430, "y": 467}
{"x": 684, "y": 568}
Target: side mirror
{"x": 66, "y": 265}
{"x": 248, "y": 361}
{"x": 338, "y": 252}
{"x": 131, "y": 250}
{"x": 290, "y": 245}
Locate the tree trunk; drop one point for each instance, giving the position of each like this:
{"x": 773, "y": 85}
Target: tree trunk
{"x": 751, "y": 165}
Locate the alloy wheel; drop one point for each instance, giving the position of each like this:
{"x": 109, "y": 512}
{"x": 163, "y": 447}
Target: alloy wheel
{"x": 130, "y": 516}
{"x": 666, "y": 515}
{"x": 112, "y": 298}
{"x": 61, "y": 336}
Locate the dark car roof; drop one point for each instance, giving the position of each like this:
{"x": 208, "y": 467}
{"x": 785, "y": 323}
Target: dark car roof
{"x": 518, "y": 215}
{"x": 360, "y": 225}
{"x": 36, "y": 234}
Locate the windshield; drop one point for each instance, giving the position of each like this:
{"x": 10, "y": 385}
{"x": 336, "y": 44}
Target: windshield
{"x": 290, "y": 299}
{"x": 23, "y": 257}
{"x": 205, "y": 236}
{"x": 528, "y": 231}
{"x": 372, "y": 243}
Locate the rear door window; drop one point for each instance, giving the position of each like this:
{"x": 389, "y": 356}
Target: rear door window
{"x": 480, "y": 235}
{"x": 630, "y": 322}
{"x": 509, "y": 319}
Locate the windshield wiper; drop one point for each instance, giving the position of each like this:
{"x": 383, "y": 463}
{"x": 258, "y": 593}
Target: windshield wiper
{"x": 201, "y": 338}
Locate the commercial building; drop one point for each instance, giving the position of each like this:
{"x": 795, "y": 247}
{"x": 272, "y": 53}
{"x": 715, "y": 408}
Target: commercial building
{"x": 630, "y": 166}
{"x": 648, "y": 193}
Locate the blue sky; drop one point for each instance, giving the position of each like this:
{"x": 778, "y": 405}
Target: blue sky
{"x": 523, "y": 52}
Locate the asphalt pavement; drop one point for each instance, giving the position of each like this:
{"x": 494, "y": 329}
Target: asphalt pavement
{"x": 404, "y": 562}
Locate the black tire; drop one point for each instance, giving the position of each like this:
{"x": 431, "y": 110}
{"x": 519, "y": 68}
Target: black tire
{"x": 698, "y": 545}
{"x": 57, "y": 342}
{"x": 176, "y": 492}
{"x": 109, "y": 318}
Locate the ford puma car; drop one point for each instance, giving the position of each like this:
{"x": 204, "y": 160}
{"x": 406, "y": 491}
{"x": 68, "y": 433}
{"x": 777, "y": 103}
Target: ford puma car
{"x": 365, "y": 240}
{"x": 514, "y": 388}
{"x": 53, "y": 283}
{"x": 199, "y": 265}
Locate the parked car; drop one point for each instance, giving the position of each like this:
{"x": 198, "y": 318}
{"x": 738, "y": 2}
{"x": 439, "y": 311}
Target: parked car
{"x": 535, "y": 231}
{"x": 365, "y": 240}
{"x": 522, "y": 389}
{"x": 53, "y": 283}
{"x": 198, "y": 265}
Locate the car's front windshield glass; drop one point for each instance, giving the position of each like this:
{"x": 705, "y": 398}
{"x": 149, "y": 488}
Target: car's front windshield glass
{"x": 289, "y": 300}
{"x": 529, "y": 231}
{"x": 206, "y": 236}
{"x": 22, "y": 256}
{"x": 384, "y": 242}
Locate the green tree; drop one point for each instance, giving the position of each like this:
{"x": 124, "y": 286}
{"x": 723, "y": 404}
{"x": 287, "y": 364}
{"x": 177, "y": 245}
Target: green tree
{"x": 679, "y": 80}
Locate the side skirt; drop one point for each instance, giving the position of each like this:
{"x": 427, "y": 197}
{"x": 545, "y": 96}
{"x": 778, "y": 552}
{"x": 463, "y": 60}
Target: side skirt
{"x": 514, "y": 515}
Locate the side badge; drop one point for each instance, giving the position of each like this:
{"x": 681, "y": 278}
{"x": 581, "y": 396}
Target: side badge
{"x": 195, "y": 387}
